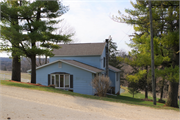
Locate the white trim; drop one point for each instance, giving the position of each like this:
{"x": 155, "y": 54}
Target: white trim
{"x": 64, "y": 80}
{"x": 51, "y": 79}
{"x": 43, "y": 65}
{"x": 63, "y": 62}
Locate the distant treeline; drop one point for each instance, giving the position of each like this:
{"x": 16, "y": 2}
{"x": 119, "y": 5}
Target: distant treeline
{"x": 6, "y": 63}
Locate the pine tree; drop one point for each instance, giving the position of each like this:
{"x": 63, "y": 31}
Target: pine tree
{"x": 37, "y": 21}
{"x": 166, "y": 37}
{"x": 113, "y": 57}
{"x": 9, "y": 16}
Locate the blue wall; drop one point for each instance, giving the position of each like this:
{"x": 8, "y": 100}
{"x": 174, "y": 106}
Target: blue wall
{"x": 102, "y": 61}
{"x": 90, "y": 60}
{"x": 96, "y": 61}
{"x": 112, "y": 78}
{"x": 117, "y": 81}
{"x": 81, "y": 78}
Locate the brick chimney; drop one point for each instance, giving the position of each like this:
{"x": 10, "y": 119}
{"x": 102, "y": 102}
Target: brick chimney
{"x": 107, "y": 57}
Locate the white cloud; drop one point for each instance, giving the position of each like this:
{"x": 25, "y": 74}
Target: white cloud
{"x": 92, "y": 22}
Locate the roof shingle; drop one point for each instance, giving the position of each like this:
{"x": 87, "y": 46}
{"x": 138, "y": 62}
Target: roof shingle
{"x": 81, "y": 49}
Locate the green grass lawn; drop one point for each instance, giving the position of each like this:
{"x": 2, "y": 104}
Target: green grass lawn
{"x": 123, "y": 98}
{"x": 138, "y": 95}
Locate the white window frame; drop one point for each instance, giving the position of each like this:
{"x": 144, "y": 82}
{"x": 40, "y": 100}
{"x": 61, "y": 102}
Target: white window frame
{"x": 65, "y": 80}
{"x": 54, "y": 79}
{"x": 59, "y": 81}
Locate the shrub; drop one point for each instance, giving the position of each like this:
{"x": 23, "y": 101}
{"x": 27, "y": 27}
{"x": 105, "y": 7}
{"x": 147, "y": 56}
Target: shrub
{"x": 101, "y": 84}
{"x": 133, "y": 88}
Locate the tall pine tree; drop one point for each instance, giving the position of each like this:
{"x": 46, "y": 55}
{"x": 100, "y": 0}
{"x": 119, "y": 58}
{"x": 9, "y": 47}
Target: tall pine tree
{"x": 9, "y": 17}
{"x": 166, "y": 37}
{"x": 37, "y": 24}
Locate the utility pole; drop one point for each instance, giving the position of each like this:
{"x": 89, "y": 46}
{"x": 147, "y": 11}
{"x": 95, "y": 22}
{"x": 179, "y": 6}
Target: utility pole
{"x": 179, "y": 58}
{"x": 152, "y": 57}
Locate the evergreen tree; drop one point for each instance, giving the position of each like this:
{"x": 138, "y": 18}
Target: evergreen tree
{"x": 37, "y": 21}
{"x": 9, "y": 17}
{"x": 113, "y": 53}
{"x": 166, "y": 38}
{"x": 133, "y": 88}
{"x": 113, "y": 57}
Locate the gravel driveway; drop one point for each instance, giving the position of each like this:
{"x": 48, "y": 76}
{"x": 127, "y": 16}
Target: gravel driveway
{"x": 25, "y": 104}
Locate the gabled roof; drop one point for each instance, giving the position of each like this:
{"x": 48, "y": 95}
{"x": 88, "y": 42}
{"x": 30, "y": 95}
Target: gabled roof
{"x": 80, "y": 49}
{"x": 75, "y": 64}
{"x": 113, "y": 69}
{"x": 82, "y": 65}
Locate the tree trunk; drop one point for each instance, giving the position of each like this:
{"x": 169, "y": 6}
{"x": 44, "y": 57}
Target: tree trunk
{"x": 16, "y": 68}
{"x": 33, "y": 69}
{"x": 16, "y": 63}
{"x": 172, "y": 94}
{"x": 172, "y": 99}
{"x": 146, "y": 91}
{"x": 162, "y": 87}
{"x": 40, "y": 61}
{"x": 146, "y": 87}
{"x": 46, "y": 60}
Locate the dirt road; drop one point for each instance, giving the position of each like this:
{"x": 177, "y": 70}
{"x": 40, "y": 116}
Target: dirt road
{"x": 24, "y": 104}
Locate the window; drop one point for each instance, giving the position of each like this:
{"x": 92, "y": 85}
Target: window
{"x": 66, "y": 80}
{"x": 60, "y": 80}
{"x": 104, "y": 60}
{"x": 57, "y": 80}
{"x": 52, "y": 79}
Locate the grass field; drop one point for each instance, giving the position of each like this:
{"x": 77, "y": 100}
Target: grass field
{"x": 6, "y": 75}
{"x": 138, "y": 95}
{"x": 123, "y": 98}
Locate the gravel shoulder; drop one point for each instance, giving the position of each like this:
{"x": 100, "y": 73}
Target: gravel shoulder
{"x": 18, "y": 103}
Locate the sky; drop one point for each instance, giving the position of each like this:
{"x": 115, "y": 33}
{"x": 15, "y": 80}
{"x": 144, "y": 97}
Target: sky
{"x": 91, "y": 21}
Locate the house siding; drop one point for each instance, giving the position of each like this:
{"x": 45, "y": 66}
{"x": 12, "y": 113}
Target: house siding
{"x": 112, "y": 78}
{"x": 81, "y": 78}
{"x": 115, "y": 80}
{"x": 102, "y": 61}
{"x": 90, "y": 60}
{"x": 117, "y": 88}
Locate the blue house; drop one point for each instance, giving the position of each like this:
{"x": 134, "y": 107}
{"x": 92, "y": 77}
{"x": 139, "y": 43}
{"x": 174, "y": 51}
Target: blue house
{"x": 75, "y": 65}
